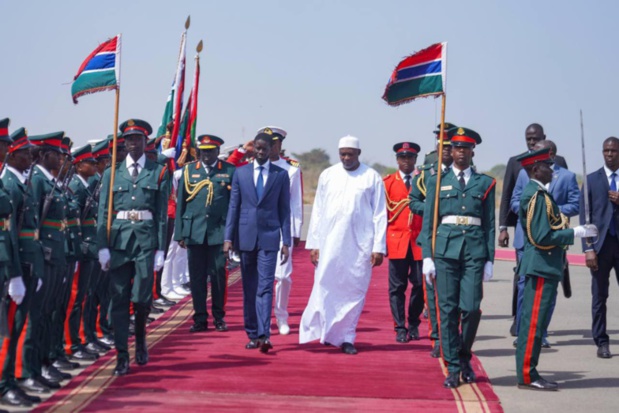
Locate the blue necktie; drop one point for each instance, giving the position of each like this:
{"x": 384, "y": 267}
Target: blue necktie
{"x": 260, "y": 183}
{"x": 613, "y": 187}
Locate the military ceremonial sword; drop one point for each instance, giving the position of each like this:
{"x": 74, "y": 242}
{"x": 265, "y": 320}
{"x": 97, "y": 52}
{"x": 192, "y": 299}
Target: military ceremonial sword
{"x": 585, "y": 185}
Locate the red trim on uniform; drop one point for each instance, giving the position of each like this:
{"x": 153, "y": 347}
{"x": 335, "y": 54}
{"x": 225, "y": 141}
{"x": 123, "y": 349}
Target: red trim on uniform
{"x": 459, "y": 138}
{"x": 489, "y": 189}
{"x": 72, "y": 298}
{"x": 407, "y": 150}
{"x": 19, "y": 355}
{"x": 11, "y": 324}
{"x": 155, "y": 295}
{"x": 537, "y": 158}
{"x": 4, "y": 131}
{"x": 48, "y": 142}
{"x": 101, "y": 152}
{"x": 134, "y": 128}
{"x": 18, "y": 144}
{"x": 526, "y": 368}
{"x": 80, "y": 158}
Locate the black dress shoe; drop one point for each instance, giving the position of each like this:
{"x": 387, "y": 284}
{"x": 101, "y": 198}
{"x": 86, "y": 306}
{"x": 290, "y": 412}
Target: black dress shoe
{"x": 156, "y": 310}
{"x": 83, "y": 355}
{"x": 61, "y": 374}
{"x": 108, "y": 341}
{"x": 164, "y": 302}
{"x": 13, "y": 398}
{"x": 141, "y": 353}
{"x": 50, "y": 374}
{"x": 220, "y": 325}
{"x": 348, "y": 348}
{"x": 604, "y": 351}
{"x": 512, "y": 329}
{"x": 540, "y": 384}
{"x": 93, "y": 348}
{"x": 101, "y": 344}
{"x": 253, "y": 344}
{"x": 452, "y": 381}
{"x": 149, "y": 320}
{"x": 468, "y": 375}
{"x": 24, "y": 395}
{"x": 413, "y": 333}
{"x": 436, "y": 350}
{"x": 265, "y": 345}
{"x": 122, "y": 367}
{"x": 198, "y": 327}
{"x": 131, "y": 329}
{"x": 47, "y": 383}
{"x": 34, "y": 386}
{"x": 65, "y": 364}
{"x": 401, "y": 336}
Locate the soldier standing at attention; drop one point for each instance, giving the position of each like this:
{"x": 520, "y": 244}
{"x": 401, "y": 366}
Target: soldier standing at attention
{"x": 464, "y": 252}
{"x": 201, "y": 211}
{"x": 133, "y": 249}
{"x": 403, "y": 227}
{"x": 417, "y": 205}
{"x": 543, "y": 260}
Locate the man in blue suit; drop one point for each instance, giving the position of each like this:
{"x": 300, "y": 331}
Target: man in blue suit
{"x": 565, "y": 192}
{"x": 259, "y": 213}
{"x": 602, "y": 255}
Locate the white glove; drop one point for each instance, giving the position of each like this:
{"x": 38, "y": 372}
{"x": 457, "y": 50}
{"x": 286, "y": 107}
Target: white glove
{"x": 429, "y": 270}
{"x": 159, "y": 259}
{"x": 585, "y": 231}
{"x": 77, "y": 266}
{"x": 39, "y": 284}
{"x": 488, "y": 271}
{"x": 169, "y": 153}
{"x": 104, "y": 259}
{"x": 17, "y": 289}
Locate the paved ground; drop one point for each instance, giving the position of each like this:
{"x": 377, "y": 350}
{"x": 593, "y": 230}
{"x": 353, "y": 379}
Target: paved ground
{"x": 586, "y": 382}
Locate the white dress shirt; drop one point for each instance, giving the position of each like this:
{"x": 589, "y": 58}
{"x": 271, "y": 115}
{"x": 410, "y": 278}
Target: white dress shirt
{"x": 47, "y": 173}
{"x": 467, "y": 173}
{"x": 265, "y": 171}
{"x": 609, "y": 173}
{"x": 19, "y": 175}
{"x": 129, "y": 162}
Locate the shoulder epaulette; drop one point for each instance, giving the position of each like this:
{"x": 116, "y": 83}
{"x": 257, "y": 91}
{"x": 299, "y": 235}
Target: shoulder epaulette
{"x": 293, "y": 162}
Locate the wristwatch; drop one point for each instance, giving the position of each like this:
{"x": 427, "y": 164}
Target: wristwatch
{"x": 502, "y": 228}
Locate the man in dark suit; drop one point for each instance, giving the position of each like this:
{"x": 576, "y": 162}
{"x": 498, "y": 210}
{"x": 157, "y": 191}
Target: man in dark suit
{"x": 259, "y": 212}
{"x": 507, "y": 218}
{"x": 603, "y": 254}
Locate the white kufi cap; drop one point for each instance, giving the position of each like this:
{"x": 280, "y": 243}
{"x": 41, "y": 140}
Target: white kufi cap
{"x": 349, "y": 142}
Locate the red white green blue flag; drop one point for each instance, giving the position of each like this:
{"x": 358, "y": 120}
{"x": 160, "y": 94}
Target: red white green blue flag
{"x": 419, "y": 75}
{"x": 100, "y": 71}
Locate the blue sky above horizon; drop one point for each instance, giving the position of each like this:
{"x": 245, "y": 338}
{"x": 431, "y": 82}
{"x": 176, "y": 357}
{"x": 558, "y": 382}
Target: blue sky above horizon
{"x": 318, "y": 68}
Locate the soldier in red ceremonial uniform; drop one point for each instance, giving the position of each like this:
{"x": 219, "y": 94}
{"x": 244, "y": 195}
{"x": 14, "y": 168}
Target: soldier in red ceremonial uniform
{"x": 402, "y": 250}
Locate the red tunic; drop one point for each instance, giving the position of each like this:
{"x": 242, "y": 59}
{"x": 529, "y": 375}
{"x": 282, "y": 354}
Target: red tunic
{"x": 403, "y": 226}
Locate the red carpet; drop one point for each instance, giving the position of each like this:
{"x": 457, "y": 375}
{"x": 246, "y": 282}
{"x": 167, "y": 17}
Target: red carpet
{"x": 508, "y": 254}
{"x": 213, "y": 371}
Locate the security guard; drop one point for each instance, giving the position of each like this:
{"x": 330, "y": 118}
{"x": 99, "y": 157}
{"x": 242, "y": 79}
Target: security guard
{"x": 404, "y": 255}
{"x": 134, "y": 248}
{"x": 417, "y": 204}
{"x": 546, "y": 239}
{"x": 464, "y": 252}
{"x": 202, "y": 206}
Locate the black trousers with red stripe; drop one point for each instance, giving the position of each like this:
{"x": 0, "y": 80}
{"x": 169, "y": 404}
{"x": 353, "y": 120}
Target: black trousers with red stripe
{"x": 539, "y": 294}
{"x": 76, "y": 304}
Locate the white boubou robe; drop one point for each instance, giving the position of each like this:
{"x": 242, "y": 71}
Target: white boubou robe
{"x": 348, "y": 224}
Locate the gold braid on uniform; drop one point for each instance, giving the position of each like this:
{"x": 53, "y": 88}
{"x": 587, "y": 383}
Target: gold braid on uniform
{"x": 420, "y": 184}
{"x": 556, "y": 222}
{"x": 194, "y": 189}
{"x": 396, "y": 207}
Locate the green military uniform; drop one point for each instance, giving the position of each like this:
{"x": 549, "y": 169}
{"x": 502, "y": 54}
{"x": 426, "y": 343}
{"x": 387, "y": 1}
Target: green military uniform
{"x": 87, "y": 235}
{"x": 202, "y": 206}
{"x": 42, "y": 331}
{"x": 137, "y": 232}
{"x": 543, "y": 260}
{"x": 464, "y": 243}
{"x": 417, "y": 205}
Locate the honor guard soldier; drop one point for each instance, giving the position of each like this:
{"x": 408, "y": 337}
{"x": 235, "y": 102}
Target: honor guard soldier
{"x": 464, "y": 252}
{"x": 97, "y": 302}
{"x": 283, "y": 272}
{"x": 546, "y": 238}
{"x": 403, "y": 227}
{"x": 202, "y": 206}
{"x": 121, "y": 147}
{"x": 417, "y": 205}
{"x": 84, "y": 164}
{"x": 42, "y": 327}
{"x": 133, "y": 248}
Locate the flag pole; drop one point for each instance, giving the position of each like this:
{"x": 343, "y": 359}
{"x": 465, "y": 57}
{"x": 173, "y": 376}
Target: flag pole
{"x": 439, "y": 174}
{"x": 110, "y": 204}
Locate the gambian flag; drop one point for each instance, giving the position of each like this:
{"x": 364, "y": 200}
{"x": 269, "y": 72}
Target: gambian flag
{"x": 419, "y": 75}
{"x": 100, "y": 71}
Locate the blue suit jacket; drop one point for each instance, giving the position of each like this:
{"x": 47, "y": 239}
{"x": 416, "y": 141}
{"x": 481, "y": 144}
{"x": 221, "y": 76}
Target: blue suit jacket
{"x": 257, "y": 223}
{"x": 601, "y": 210}
{"x": 563, "y": 188}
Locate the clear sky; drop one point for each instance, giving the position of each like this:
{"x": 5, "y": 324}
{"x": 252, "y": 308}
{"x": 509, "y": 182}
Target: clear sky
{"x": 318, "y": 69}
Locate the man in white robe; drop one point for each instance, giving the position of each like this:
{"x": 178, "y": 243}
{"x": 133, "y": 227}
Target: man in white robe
{"x": 347, "y": 237}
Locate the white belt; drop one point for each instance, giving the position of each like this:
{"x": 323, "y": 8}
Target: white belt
{"x": 460, "y": 220}
{"x": 134, "y": 215}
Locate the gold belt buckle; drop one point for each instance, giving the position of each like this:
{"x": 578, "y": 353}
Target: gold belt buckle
{"x": 7, "y": 224}
{"x": 134, "y": 215}
{"x": 36, "y": 235}
{"x": 63, "y": 225}
{"x": 462, "y": 220}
